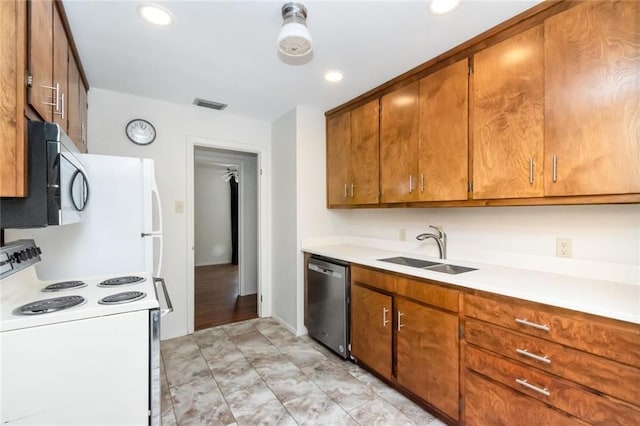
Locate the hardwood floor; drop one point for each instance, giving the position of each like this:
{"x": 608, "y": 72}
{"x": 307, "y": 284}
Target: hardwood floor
{"x": 216, "y": 297}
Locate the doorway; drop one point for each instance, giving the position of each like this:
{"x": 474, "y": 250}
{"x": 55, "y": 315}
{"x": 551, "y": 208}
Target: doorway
{"x": 225, "y": 236}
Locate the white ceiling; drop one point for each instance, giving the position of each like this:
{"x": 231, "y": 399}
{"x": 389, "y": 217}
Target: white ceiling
{"x": 225, "y": 51}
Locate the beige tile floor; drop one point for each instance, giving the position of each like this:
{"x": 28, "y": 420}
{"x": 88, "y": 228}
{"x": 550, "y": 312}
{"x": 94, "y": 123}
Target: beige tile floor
{"x": 257, "y": 373}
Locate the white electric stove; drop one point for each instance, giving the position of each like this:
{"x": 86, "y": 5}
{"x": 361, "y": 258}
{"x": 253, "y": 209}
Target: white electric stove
{"x": 79, "y": 351}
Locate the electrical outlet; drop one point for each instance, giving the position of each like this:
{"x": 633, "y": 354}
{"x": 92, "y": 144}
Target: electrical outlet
{"x": 179, "y": 206}
{"x": 403, "y": 235}
{"x": 563, "y": 247}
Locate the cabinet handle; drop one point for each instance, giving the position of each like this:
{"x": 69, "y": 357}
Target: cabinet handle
{"x": 56, "y": 91}
{"x": 61, "y": 113}
{"x": 352, "y": 189}
{"x": 400, "y": 325}
{"x": 555, "y": 167}
{"x": 534, "y": 356}
{"x": 528, "y": 385}
{"x": 421, "y": 182}
{"x": 531, "y": 171}
{"x": 385, "y": 321}
{"x": 345, "y": 190}
{"x": 532, "y": 324}
{"x": 410, "y": 184}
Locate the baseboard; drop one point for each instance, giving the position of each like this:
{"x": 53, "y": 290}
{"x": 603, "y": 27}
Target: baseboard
{"x": 212, "y": 264}
{"x": 284, "y": 324}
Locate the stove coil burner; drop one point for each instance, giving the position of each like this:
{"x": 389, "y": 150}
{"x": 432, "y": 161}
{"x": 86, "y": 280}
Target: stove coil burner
{"x": 65, "y": 285}
{"x": 50, "y": 305}
{"x": 125, "y": 297}
{"x": 113, "y": 282}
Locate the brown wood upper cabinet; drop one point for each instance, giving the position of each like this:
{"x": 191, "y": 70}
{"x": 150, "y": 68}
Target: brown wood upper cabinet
{"x": 353, "y": 156}
{"x": 13, "y": 146}
{"x": 443, "y": 147}
{"x": 507, "y": 117}
{"x": 592, "y": 109}
{"x": 423, "y": 140}
{"x": 77, "y": 103}
{"x": 399, "y": 127}
{"x": 42, "y": 94}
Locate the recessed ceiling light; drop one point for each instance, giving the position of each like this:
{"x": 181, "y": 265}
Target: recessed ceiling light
{"x": 333, "y": 76}
{"x": 440, "y": 7}
{"x": 155, "y": 15}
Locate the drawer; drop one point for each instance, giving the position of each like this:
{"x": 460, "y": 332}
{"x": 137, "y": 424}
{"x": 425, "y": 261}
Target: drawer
{"x": 601, "y": 374}
{"x": 425, "y": 292}
{"x": 488, "y": 403}
{"x": 609, "y": 338}
{"x": 371, "y": 278}
{"x": 564, "y": 395}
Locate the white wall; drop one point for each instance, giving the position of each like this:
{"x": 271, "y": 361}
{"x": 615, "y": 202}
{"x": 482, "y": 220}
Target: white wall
{"x": 283, "y": 223}
{"x": 314, "y": 219}
{"x": 606, "y": 238}
{"x": 108, "y": 114}
{"x": 212, "y": 215}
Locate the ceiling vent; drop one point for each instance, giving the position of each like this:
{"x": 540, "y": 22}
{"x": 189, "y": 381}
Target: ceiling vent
{"x": 209, "y": 104}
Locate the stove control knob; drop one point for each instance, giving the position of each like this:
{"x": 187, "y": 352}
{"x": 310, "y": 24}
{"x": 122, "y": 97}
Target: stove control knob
{"x": 23, "y": 255}
{"x": 16, "y": 257}
{"x": 38, "y": 250}
{"x": 33, "y": 252}
{"x": 27, "y": 253}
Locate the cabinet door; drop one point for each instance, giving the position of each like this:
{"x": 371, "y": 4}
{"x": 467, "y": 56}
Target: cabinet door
{"x": 40, "y": 94}
{"x": 84, "y": 112}
{"x": 60, "y": 71}
{"x": 399, "y": 126}
{"x": 507, "y": 118}
{"x": 13, "y": 142}
{"x": 592, "y": 75}
{"x": 338, "y": 147}
{"x": 427, "y": 354}
{"x": 371, "y": 329}
{"x": 443, "y": 134}
{"x": 365, "y": 154}
{"x": 74, "y": 130}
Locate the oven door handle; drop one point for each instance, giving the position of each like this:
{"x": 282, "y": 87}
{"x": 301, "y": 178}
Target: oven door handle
{"x": 169, "y": 309}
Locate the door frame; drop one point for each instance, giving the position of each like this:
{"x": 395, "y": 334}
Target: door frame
{"x": 264, "y": 225}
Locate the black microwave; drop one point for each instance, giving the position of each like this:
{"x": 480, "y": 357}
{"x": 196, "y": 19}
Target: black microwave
{"x": 58, "y": 188}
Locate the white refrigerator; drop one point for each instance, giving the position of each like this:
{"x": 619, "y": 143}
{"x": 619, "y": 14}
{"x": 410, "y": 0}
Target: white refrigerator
{"x": 121, "y": 227}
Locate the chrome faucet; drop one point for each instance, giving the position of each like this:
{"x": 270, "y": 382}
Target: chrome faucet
{"x": 441, "y": 239}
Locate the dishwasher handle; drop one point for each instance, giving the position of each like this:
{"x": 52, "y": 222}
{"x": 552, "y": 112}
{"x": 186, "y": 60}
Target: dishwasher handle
{"x": 325, "y": 271}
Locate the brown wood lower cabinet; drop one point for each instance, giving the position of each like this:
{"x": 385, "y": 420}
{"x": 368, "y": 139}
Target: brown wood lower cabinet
{"x": 427, "y": 354}
{"x": 557, "y": 392}
{"x": 401, "y": 328}
{"x": 371, "y": 329}
{"x": 518, "y": 362}
{"x": 491, "y": 404}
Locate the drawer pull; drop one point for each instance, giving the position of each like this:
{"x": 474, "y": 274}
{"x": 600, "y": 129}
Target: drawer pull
{"x": 528, "y": 385}
{"x": 385, "y": 321}
{"x": 534, "y": 356}
{"x": 532, "y": 324}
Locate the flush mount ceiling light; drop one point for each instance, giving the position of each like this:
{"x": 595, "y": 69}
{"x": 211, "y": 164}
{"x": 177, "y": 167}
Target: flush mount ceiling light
{"x": 333, "y": 76}
{"x": 440, "y": 7}
{"x": 155, "y": 15}
{"x": 294, "y": 38}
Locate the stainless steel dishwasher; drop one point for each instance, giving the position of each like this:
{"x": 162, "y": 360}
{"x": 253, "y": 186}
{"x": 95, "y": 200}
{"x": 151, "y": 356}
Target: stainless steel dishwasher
{"x": 328, "y": 303}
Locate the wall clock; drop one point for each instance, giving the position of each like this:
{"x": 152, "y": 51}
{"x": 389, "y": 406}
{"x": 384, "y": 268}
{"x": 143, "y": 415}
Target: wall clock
{"x": 140, "y": 131}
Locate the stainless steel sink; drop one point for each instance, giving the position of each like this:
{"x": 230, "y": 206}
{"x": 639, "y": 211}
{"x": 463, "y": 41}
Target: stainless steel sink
{"x": 426, "y": 264}
{"x": 407, "y": 261}
{"x": 450, "y": 269}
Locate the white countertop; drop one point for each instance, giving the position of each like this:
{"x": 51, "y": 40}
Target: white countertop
{"x": 605, "y": 298}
